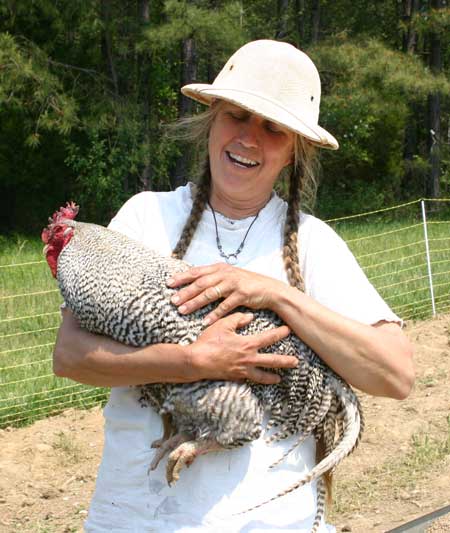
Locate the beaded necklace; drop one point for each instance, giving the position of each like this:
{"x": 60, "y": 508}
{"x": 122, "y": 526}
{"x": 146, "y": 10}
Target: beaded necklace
{"x": 232, "y": 258}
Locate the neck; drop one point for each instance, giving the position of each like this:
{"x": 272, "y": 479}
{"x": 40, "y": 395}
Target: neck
{"x": 237, "y": 209}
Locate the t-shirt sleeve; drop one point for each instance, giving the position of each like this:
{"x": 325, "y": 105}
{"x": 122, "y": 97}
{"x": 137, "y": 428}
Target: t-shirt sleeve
{"x": 334, "y": 278}
{"x": 155, "y": 219}
{"x": 128, "y": 219}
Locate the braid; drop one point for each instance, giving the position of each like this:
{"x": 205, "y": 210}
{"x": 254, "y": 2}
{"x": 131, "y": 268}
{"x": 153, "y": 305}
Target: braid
{"x": 290, "y": 247}
{"x": 292, "y": 266}
{"x": 198, "y": 206}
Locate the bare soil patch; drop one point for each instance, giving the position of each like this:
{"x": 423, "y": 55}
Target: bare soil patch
{"x": 400, "y": 471}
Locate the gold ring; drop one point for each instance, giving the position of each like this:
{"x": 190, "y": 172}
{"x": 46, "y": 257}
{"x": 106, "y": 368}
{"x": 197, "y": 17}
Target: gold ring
{"x": 218, "y": 291}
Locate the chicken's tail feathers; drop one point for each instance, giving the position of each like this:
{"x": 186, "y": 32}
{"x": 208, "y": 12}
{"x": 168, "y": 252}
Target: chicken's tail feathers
{"x": 350, "y": 438}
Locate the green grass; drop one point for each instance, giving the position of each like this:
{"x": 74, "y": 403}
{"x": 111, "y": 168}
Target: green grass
{"x": 392, "y": 253}
{"x": 29, "y": 319}
{"x": 390, "y": 250}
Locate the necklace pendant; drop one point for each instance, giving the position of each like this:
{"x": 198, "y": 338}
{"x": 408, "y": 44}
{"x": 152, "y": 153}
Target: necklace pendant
{"x": 231, "y": 259}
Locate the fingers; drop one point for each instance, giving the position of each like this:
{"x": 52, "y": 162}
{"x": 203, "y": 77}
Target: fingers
{"x": 272, "y": 336}
{"x": 195, "y": 297}
{"x": 271, "y": 360}
{"x": 183, "y": 278}
{"x": 199, "y": 293}
{"x": 204, "y": 285}
{"x": 262, "y": 340}
{"x": 223, "y": 353}
{"x": 237, "y": 320}
{"x": 223, "y": 308}
{"x": 265, "y": 378}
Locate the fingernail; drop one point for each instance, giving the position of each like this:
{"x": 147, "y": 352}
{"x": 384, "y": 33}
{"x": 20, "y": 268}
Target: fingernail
{"x": 249, "y": 316}
{"x": 206, "y": 322}
{"x": 175, "y": 299}
{"x": 182, "y": 308}
{"x": 170, "y": 282}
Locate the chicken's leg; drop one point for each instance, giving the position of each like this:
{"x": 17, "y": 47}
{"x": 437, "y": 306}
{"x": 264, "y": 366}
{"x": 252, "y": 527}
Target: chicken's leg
{"x": 186, "y": 453}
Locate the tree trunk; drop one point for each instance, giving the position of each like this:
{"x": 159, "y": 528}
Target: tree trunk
{"x": 185, "y": 107}
{"x": 210, "y": 71}
{"x": 106, "y": 44}
{"x": 434, "y": 114}
{"x": 409, "y": 38}
{"x": 282, "y": 31}
{"x": 300, "y": 18}
{"x": 144, "y": 10}
{"x": 409, "y": 43}
{"x": 144, "y": 66}
{"x": 188, "y": 74}
{"x": 315, "y": 21}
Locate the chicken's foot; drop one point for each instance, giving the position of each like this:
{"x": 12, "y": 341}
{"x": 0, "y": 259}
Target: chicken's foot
{"x": 186, "y": 453}
{"x": 165, "y": 446}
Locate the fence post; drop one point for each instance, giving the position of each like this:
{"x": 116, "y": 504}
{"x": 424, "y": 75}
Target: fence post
{"x": 427, "y": 249}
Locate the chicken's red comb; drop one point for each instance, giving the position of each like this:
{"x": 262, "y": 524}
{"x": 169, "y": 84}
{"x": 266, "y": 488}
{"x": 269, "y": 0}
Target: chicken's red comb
{"x": 70, "y": 212}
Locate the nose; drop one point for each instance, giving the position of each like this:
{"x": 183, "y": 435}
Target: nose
{"x": 249, "y": 133}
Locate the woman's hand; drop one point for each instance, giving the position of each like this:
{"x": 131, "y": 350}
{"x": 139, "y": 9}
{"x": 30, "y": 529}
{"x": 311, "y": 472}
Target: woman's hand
{"x": 221, "y": 353}
{"x": 234, "y": 285}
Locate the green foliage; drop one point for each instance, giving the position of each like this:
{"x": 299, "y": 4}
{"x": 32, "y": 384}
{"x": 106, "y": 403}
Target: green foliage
{"x": 100, "y": 170}
{"x": 369, "y": 89}
{"x": 360, "y": 18}
{"x": 217, "y": 32}
{"x": 87, "y": 88}
{"x": 26, "y": 84}
{"x": 435, "y": 20}
{"x": 374, "y": 66}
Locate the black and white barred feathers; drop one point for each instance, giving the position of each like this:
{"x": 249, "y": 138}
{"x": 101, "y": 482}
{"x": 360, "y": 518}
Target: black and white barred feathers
{"x": 117, "y": 287}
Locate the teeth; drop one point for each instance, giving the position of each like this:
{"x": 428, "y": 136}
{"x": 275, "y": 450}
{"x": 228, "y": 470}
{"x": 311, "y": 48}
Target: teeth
{"x": 243, "y": 160}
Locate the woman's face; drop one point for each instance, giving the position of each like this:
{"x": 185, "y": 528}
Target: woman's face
{"x": 247, "y": 153}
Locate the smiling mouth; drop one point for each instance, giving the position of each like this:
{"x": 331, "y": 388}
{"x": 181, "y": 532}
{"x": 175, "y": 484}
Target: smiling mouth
{"x": 242, "y": 161}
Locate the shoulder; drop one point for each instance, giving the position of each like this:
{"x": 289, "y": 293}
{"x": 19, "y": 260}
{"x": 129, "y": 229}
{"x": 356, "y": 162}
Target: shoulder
{"x": 180, "y": 197}
{"x": 310, "y": 227}
{"x": 316, "y": 234}
{"x": 148, "y": 213}
{"x": 310, "y": 223}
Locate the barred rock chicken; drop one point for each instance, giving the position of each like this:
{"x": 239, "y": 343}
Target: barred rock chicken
{"x": 116, "y": 287}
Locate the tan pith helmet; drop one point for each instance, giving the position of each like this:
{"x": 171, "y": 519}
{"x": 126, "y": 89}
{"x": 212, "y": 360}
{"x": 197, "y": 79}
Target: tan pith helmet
{"x": 274, "y": 80}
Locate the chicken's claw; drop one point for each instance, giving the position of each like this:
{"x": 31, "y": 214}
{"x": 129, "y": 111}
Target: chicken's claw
{"x": 185, "y": 454}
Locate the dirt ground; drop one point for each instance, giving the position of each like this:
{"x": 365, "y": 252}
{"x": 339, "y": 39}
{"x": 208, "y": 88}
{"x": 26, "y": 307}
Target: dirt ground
{"x": 400, "y": 471}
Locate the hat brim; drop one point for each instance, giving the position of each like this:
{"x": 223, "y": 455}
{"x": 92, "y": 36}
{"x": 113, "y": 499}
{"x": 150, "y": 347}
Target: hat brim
{"x": 264, "y": 107}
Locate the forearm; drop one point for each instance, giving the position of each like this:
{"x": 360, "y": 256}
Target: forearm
{"x": 101, "y": 361}
{"x": 376, "y": 360}
{"x": 218, "y": 354}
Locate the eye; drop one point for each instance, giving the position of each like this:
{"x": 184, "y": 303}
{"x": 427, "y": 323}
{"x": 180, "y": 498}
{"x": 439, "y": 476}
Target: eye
{"x": 273, "y": 128}
{"x": 237, "y": 115}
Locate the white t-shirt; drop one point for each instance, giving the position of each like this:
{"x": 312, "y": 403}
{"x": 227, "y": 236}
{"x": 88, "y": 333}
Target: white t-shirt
{"x": 219, "y": 485}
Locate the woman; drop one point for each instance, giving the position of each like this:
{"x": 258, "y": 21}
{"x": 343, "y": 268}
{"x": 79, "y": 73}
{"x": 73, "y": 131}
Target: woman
{"x": 252, "y": 249}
